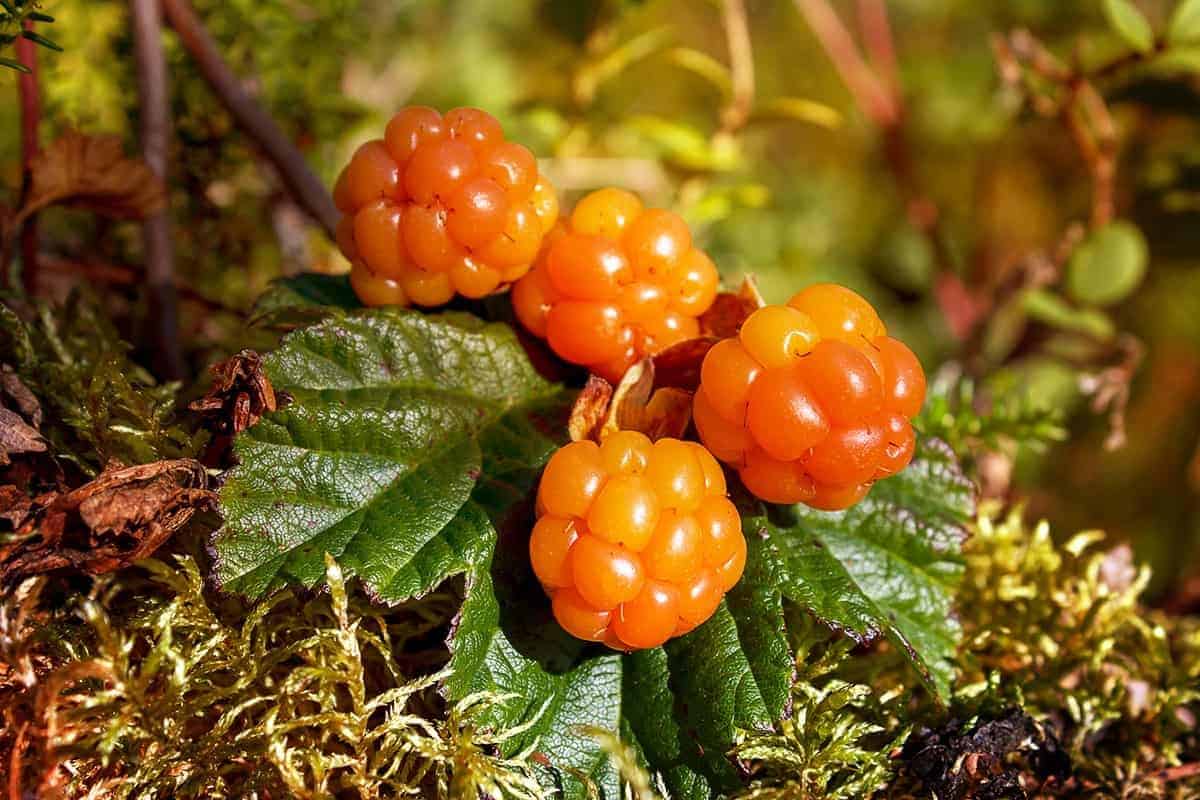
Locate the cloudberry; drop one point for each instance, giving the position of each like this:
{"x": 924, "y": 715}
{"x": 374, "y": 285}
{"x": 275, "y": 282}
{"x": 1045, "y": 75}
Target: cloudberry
{"x": 635, "y": 541}
{"x": 616, "y": 282}
{"x": 811, "y": 402}
{"x": 442, "y": 205}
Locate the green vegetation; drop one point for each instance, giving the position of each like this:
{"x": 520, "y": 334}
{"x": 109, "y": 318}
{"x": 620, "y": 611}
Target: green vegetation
{"x": 340, "y": 603}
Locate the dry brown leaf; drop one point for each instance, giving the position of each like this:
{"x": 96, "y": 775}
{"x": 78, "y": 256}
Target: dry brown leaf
{"x": 637, "y": 406}
{"x": 18, "y": 397}
{"x": 92, "y": 172}
{"x": 124, "y": 515}
{"x": 15, "y": 505}
{"x": 241, "y": 393}
{"x": 730, "y": 309}
{"x": 17, "y": 437}
{"x": 590, "y": 409}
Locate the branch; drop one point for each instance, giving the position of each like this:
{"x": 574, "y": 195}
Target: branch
{"x": 31, "y": 117}
{"x": 156, "y": 230}
{"x": 741, "y": 65}
{"x": 301, "y": 183}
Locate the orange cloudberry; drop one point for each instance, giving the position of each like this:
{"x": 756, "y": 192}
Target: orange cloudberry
{"x": 615, "y": 283}
{"x": 635, "y": 540}
{"x": 441, "y": 205}
{"x": 811, "y": 402}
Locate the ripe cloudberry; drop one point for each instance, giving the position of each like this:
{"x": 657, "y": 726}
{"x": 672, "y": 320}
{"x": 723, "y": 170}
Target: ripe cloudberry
{"x": 442, "y": 205}
{"x": 635, "y": 541}
{"x": 616, "y": 282}
{"x": 811, "y": 402}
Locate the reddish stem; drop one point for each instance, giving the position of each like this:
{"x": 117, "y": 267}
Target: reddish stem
{"x": 879, "y": 42}
{"x": 31, "y": 116}
{"x": 869, "y": 93}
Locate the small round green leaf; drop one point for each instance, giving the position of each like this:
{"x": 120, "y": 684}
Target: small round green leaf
{"x": 1108, "y": 266}
{"x": 1130, "y": 24}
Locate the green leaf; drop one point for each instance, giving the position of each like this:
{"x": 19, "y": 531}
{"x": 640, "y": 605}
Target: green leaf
{"x": 1109, "y": 265}
{"x": 1130, "y": 24}
{"x": 506, "y": 640}
{"x": 304, "y": 298}
{"x": 17, "y": 65}
{"x": 1047, "y": 307}
{"x": 704, "y": 65}
{"x": 37, "y": 38}
{"x": 886, "y": 567}
{"x": 1184, "y": 27}
{"x": 797, "y": 109}
{"x": 378, "y": 453}
{"x": 679, "y": 706}
{"x": 684, "y": 144}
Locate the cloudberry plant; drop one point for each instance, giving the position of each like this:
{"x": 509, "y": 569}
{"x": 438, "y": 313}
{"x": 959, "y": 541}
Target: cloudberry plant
{"x": 616, "y": 282}
{"x": 442, "y": 205}
{"x": 636, "y": 541}
{"x": 811, "y": 402}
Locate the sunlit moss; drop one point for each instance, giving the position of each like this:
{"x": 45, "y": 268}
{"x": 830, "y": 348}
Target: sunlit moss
{"x": 317, "y": 697}
{"x": 1061, "y": 631}
{"x": 832, "y": 745}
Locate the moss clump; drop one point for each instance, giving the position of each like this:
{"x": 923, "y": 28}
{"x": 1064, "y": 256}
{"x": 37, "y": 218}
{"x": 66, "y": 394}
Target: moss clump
{"x": 1060, "y": 631}
{"x": 323, "y": 697}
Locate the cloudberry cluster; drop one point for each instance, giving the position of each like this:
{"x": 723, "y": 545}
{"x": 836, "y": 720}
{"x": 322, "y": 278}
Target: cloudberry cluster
{"x": 811, "y": 401}
{"x": 615, "y": 283}
{"x": 635, "y": 542}
{"x": 442, "y": 205}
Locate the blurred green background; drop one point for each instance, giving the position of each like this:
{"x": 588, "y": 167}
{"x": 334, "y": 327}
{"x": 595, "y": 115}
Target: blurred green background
{"x": 632, "y": 93}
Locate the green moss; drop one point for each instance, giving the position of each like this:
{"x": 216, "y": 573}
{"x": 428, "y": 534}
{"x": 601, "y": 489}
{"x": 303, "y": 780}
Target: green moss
{"x": 321, "y": 697}
{"x": 1061, "y": 631}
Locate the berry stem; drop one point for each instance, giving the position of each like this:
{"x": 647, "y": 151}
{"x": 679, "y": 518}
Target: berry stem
{"x": 156, "y": 230}
{"x": 300, "y": 181}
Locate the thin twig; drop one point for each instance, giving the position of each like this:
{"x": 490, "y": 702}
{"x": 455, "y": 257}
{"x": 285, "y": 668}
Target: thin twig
{"x": 301, "y": 183}
{"x": 869, "y": 93}
{"x": 1070, "y": 94}
{"x": 1182, "y": 772}
{"x": 741, "y": 65}
{"x": 879, "y": 42}
{"x": 1104, "y": 168}
{"x": 31, "y": 117}
{"x": 156, "y": 230}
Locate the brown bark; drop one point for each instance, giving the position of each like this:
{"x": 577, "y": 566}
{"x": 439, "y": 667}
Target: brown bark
{"x": 153, "y": 93}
